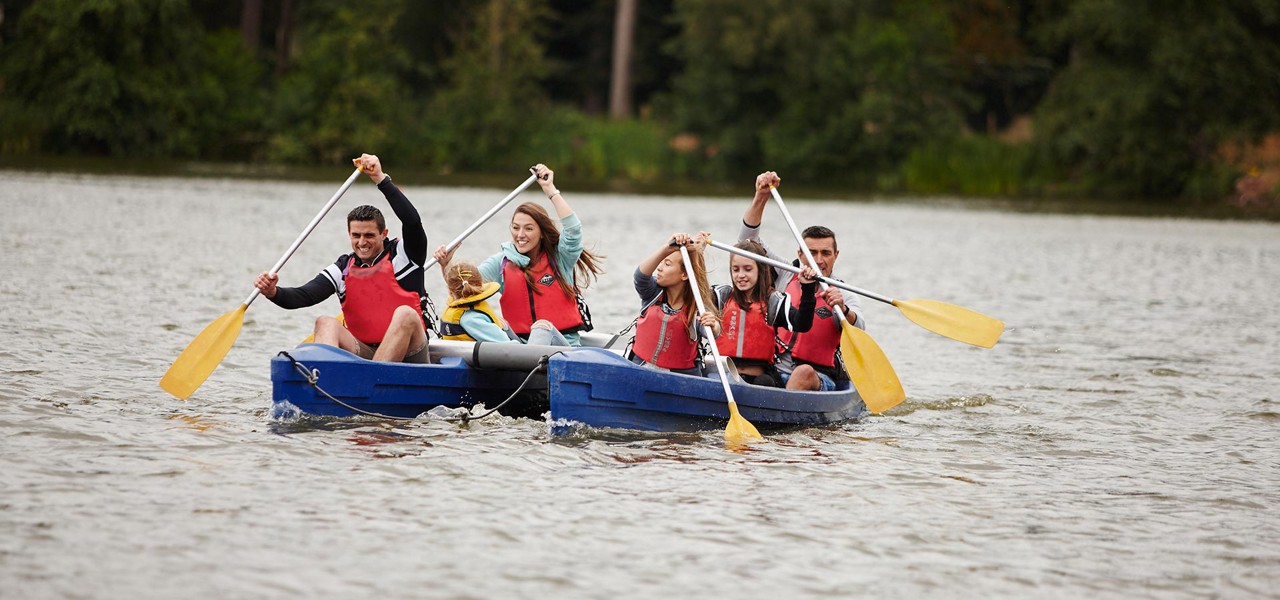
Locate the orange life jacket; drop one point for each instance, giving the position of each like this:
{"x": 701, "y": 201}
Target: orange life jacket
{"x": 663, "y": 339}
{"x": 372, "y": 296}
{"x": 818, "y": 345}
{"x": 522, "y": 307}
{"x": 746, "y": 333}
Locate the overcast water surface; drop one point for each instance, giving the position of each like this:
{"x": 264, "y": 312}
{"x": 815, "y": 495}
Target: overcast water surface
{"x": 1119, "y": 441}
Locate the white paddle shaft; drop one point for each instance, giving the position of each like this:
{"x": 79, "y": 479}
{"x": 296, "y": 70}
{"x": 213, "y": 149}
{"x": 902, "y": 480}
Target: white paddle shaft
{"x": 795, "y": 231}
{"x": 481, "y": 221}
{"x": 306, "y": 232}
{"x": 794, "y": 269}
{"x": 711, "y": 337}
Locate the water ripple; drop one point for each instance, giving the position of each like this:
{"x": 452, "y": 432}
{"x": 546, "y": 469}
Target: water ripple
{"x": 1093, "y": 452}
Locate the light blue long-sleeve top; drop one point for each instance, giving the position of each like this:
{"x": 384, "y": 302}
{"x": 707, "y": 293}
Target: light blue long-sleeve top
{"x": 482, "y": 329}
{"x": 567, "y": 253}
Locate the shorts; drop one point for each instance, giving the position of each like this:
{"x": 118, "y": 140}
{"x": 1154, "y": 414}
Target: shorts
{"x": 417, "y": 357}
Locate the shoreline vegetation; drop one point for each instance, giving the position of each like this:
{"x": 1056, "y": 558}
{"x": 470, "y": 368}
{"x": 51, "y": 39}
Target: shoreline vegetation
{"x": 1136, "y": 106}
{"x": 411, "y": 175}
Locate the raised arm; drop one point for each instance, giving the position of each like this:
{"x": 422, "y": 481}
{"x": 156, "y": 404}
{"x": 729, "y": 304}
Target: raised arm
{"x": 755, "y": 212}
{"x": 650, "y": 264}
{"x": 547, "y": 181}
{"x": 413, "y": 234}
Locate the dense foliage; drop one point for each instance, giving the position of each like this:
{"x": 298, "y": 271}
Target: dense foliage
{"x": 1071, "y": 97}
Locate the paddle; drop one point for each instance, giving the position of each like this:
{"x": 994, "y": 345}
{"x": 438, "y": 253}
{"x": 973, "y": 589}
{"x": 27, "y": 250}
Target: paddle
{"x": 204, "y": 353}
{"x": 949, "y": 320}
{"x": 481, "y": 221}
{"x": 868, "y": 367}
{"x": 739, "y": 430}
{"x": 462, "y": 236}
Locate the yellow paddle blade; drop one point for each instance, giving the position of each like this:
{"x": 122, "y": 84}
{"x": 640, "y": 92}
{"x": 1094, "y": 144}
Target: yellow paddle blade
{"x": 740, "y": 430}
{"x": 203, "y": 354}
{"x": 870, "y": 370}
{"x": 955, "y": 322}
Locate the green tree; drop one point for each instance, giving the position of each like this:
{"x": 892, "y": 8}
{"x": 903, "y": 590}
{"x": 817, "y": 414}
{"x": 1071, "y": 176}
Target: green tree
{"x": 879, "y": 84}
{"x": 821, "y": 90}
{"x": 118, "y": 77}
{"x": 346, "y": 92}
{"x": 493, "y": 98}
{"x": 1153, "y": 89}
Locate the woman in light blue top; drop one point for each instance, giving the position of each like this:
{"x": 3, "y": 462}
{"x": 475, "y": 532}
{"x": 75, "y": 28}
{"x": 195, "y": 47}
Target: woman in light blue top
{"x": 470, "y": 317}
{"x": 542, "y": 271}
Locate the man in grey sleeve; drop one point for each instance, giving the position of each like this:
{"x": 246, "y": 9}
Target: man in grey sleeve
{"x": 809, "y": 361}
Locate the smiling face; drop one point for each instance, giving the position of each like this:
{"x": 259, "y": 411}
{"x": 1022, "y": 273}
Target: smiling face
{"x": 824, "y": 253}
{"x": 525, "y": 233}
{"x": 670, "y": 271}
{"x": 743, "y": 272}
{"x": 366, "y": 239}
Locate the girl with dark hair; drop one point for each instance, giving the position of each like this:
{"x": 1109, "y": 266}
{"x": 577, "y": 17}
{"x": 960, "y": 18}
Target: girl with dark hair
{"x": 667, "y": 332}
{"x": 752, "y": 310}
{"x": 542, "y": 271}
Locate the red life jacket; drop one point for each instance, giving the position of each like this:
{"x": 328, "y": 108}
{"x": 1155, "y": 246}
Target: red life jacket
{"x": 522, "y": 307}
{"x": 663, "y": 339}
{"x": 818, "y": 345}
{"x": 372, "y": 296}
{"x": 746, "y": 333}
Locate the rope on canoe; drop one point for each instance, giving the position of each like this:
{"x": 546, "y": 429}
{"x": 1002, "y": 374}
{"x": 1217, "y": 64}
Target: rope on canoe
{"x": 540, "y": 367}
{"x": 312, "y": 376}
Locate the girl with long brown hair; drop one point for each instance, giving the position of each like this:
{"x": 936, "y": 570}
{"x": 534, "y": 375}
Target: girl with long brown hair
{"x": 542, "y": 271}
{"x": 667, "y": 332}
{"x": 753, "y": 310}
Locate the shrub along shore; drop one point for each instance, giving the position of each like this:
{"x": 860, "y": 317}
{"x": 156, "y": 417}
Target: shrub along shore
{"x": 1038, "y": 103}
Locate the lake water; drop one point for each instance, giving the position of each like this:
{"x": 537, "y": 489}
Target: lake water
{"x": 1120, "y": 441}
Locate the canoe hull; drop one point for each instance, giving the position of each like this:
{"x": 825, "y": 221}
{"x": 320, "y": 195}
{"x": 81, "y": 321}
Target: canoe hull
{"x": 397, "y": 389}
{"x": 602, "y": 389}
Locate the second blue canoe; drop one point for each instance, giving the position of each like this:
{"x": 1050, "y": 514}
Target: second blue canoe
{"x": 602, "y": 389}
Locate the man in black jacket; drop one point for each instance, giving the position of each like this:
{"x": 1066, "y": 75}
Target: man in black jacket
{"x": 380, "y": 283}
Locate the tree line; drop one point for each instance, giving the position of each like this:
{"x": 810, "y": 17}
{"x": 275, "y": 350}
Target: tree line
{"x": 1099, "y": 98}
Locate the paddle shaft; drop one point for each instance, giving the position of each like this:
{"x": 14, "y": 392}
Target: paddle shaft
{"x": 306, "y": 232}
{"x": 795, "y": 231}
{"x": 868, "y": 367}
{"x": 948, "y": 320}
{"x": 711, "y": 336}
{"x": 481, "y": 221}
{"x": 794, "y": 269}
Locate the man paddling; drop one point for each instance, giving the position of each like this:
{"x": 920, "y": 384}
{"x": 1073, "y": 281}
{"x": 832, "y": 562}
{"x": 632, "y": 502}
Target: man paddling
{"x": 808, "y": 361}
{"x": 380, "y": 283}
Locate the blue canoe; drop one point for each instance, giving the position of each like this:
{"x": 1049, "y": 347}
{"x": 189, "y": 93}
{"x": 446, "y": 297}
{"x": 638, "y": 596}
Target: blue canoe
{"x": 396, "y": 389}
{"x": 462, "y": 374}
{"x": 602, "y": 389}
